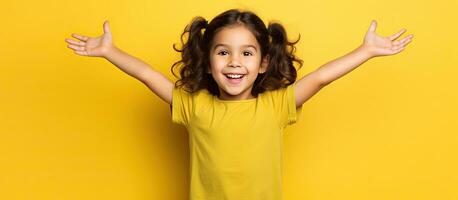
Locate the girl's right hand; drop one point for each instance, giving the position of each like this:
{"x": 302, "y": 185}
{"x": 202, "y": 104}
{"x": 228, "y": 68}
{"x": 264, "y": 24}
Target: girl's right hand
{"x": 89, "y": 46}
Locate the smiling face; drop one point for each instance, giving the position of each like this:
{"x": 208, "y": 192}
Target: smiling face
{"x": 235, "y": 59}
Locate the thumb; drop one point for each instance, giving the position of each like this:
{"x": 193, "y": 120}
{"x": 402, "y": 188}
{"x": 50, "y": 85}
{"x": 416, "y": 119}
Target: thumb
{"x": 106, "y": 27}
{"x": 373, "y": 26}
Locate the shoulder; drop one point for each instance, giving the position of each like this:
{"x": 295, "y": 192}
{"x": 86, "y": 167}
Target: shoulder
{"x": 181, "y": 93}
{"x": 279, "y": 92}
{"x": 184, "y": 104}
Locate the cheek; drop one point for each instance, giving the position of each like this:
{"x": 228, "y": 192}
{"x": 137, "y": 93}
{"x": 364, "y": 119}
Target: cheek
{"x": 253, "y": 65}
{"x": 217, "y": 62}
{"x": 253, "y": 61}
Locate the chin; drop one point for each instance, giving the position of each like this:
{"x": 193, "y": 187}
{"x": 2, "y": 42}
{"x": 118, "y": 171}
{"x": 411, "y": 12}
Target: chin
{"x": 233, "y": 91}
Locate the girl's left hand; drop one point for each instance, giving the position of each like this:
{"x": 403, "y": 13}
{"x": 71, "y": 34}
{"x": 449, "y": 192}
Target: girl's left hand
{"x": 377, "y": 45}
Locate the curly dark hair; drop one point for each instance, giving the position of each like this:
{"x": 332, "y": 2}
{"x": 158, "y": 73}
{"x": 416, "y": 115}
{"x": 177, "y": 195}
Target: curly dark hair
{"x": 273, "y": 40}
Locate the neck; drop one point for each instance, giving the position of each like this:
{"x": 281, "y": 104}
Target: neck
{"x": 223, "y": 95}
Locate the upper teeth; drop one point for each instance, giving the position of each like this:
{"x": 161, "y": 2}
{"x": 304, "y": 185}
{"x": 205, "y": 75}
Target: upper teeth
{"x": 234, "y": 75}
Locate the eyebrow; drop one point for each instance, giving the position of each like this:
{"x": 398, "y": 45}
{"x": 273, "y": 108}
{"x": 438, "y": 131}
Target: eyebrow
{"x": 247, "y": 45}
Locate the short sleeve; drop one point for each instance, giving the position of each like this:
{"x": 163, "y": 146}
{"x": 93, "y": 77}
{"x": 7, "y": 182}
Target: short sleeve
{"x": 284, "y": 105}
{"x": 182, "y": 105}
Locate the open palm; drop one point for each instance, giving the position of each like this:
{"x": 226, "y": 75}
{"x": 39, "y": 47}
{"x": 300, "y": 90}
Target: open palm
{"x": 382, "y": 46}
{"x": 90, "y": 46}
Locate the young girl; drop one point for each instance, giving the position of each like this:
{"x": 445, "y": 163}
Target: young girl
{"x": 236, "y": 94}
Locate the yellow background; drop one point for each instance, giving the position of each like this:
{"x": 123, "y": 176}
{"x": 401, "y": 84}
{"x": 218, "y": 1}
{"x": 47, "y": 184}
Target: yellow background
{"x": 74, "y": 127}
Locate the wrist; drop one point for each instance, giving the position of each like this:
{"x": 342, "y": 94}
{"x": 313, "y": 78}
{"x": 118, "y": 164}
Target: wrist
{"x": 109, "y": 51}
{"x": 365, "y": 51}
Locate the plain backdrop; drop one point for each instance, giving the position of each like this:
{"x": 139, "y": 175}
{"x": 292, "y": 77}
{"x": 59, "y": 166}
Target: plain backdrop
{"x": 74, "y": 127}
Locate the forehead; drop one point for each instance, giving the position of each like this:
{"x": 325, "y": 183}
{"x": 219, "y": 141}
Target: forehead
{"x": 235, "y": 36}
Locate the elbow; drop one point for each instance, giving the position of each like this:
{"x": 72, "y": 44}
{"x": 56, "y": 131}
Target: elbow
{"x": 322, "y": 81}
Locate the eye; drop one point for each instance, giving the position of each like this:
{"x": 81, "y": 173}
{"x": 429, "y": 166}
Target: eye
{"x": 219, "y": 53}
{"x": 249, "y": 53}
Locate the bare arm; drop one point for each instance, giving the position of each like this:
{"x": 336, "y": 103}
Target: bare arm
{"x": 154, "y": 80}
{"x": 103, "y": 46}
{"x": 374, "y": 45}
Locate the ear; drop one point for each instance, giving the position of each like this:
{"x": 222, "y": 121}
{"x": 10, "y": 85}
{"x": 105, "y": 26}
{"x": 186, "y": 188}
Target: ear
{"x": 264, "y": 64}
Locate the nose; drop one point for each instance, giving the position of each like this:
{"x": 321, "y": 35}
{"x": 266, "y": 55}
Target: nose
{"x": 234, "y": 61}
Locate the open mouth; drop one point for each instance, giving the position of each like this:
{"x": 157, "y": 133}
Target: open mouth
{"x": 234, "y": 78}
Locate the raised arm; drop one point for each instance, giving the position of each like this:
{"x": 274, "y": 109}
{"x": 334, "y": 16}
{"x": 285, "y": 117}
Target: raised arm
{"x": 104, "y": 47}
{"x": 138, "y": 69}
{"x": 373, "y": 46}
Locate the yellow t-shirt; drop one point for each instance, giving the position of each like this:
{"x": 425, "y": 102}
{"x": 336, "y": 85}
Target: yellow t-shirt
{"x": 235, "y": 146}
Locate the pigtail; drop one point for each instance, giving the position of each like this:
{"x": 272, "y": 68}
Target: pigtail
{"x": 193, "y": 61}
{"x": 281, "y": 52}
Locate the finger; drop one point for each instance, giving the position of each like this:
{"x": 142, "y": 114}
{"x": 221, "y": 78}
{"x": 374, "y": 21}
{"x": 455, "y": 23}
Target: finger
{"x": 106, "y": 27}
{"x": 406, "y": 39}
{"x": 399, "y": 49}
{"x": 79, "y": 43}
{"x": 406, "y": 42}
{"x": 75, "y": 47}
{"x": 396, "y": 35}
{"x": 395, "y": 50}
{"x": 373, "y": 26}
{"x": 80, "y": 37}
{"x": 403, "y": 40}
{"x": 82, "y": 53}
